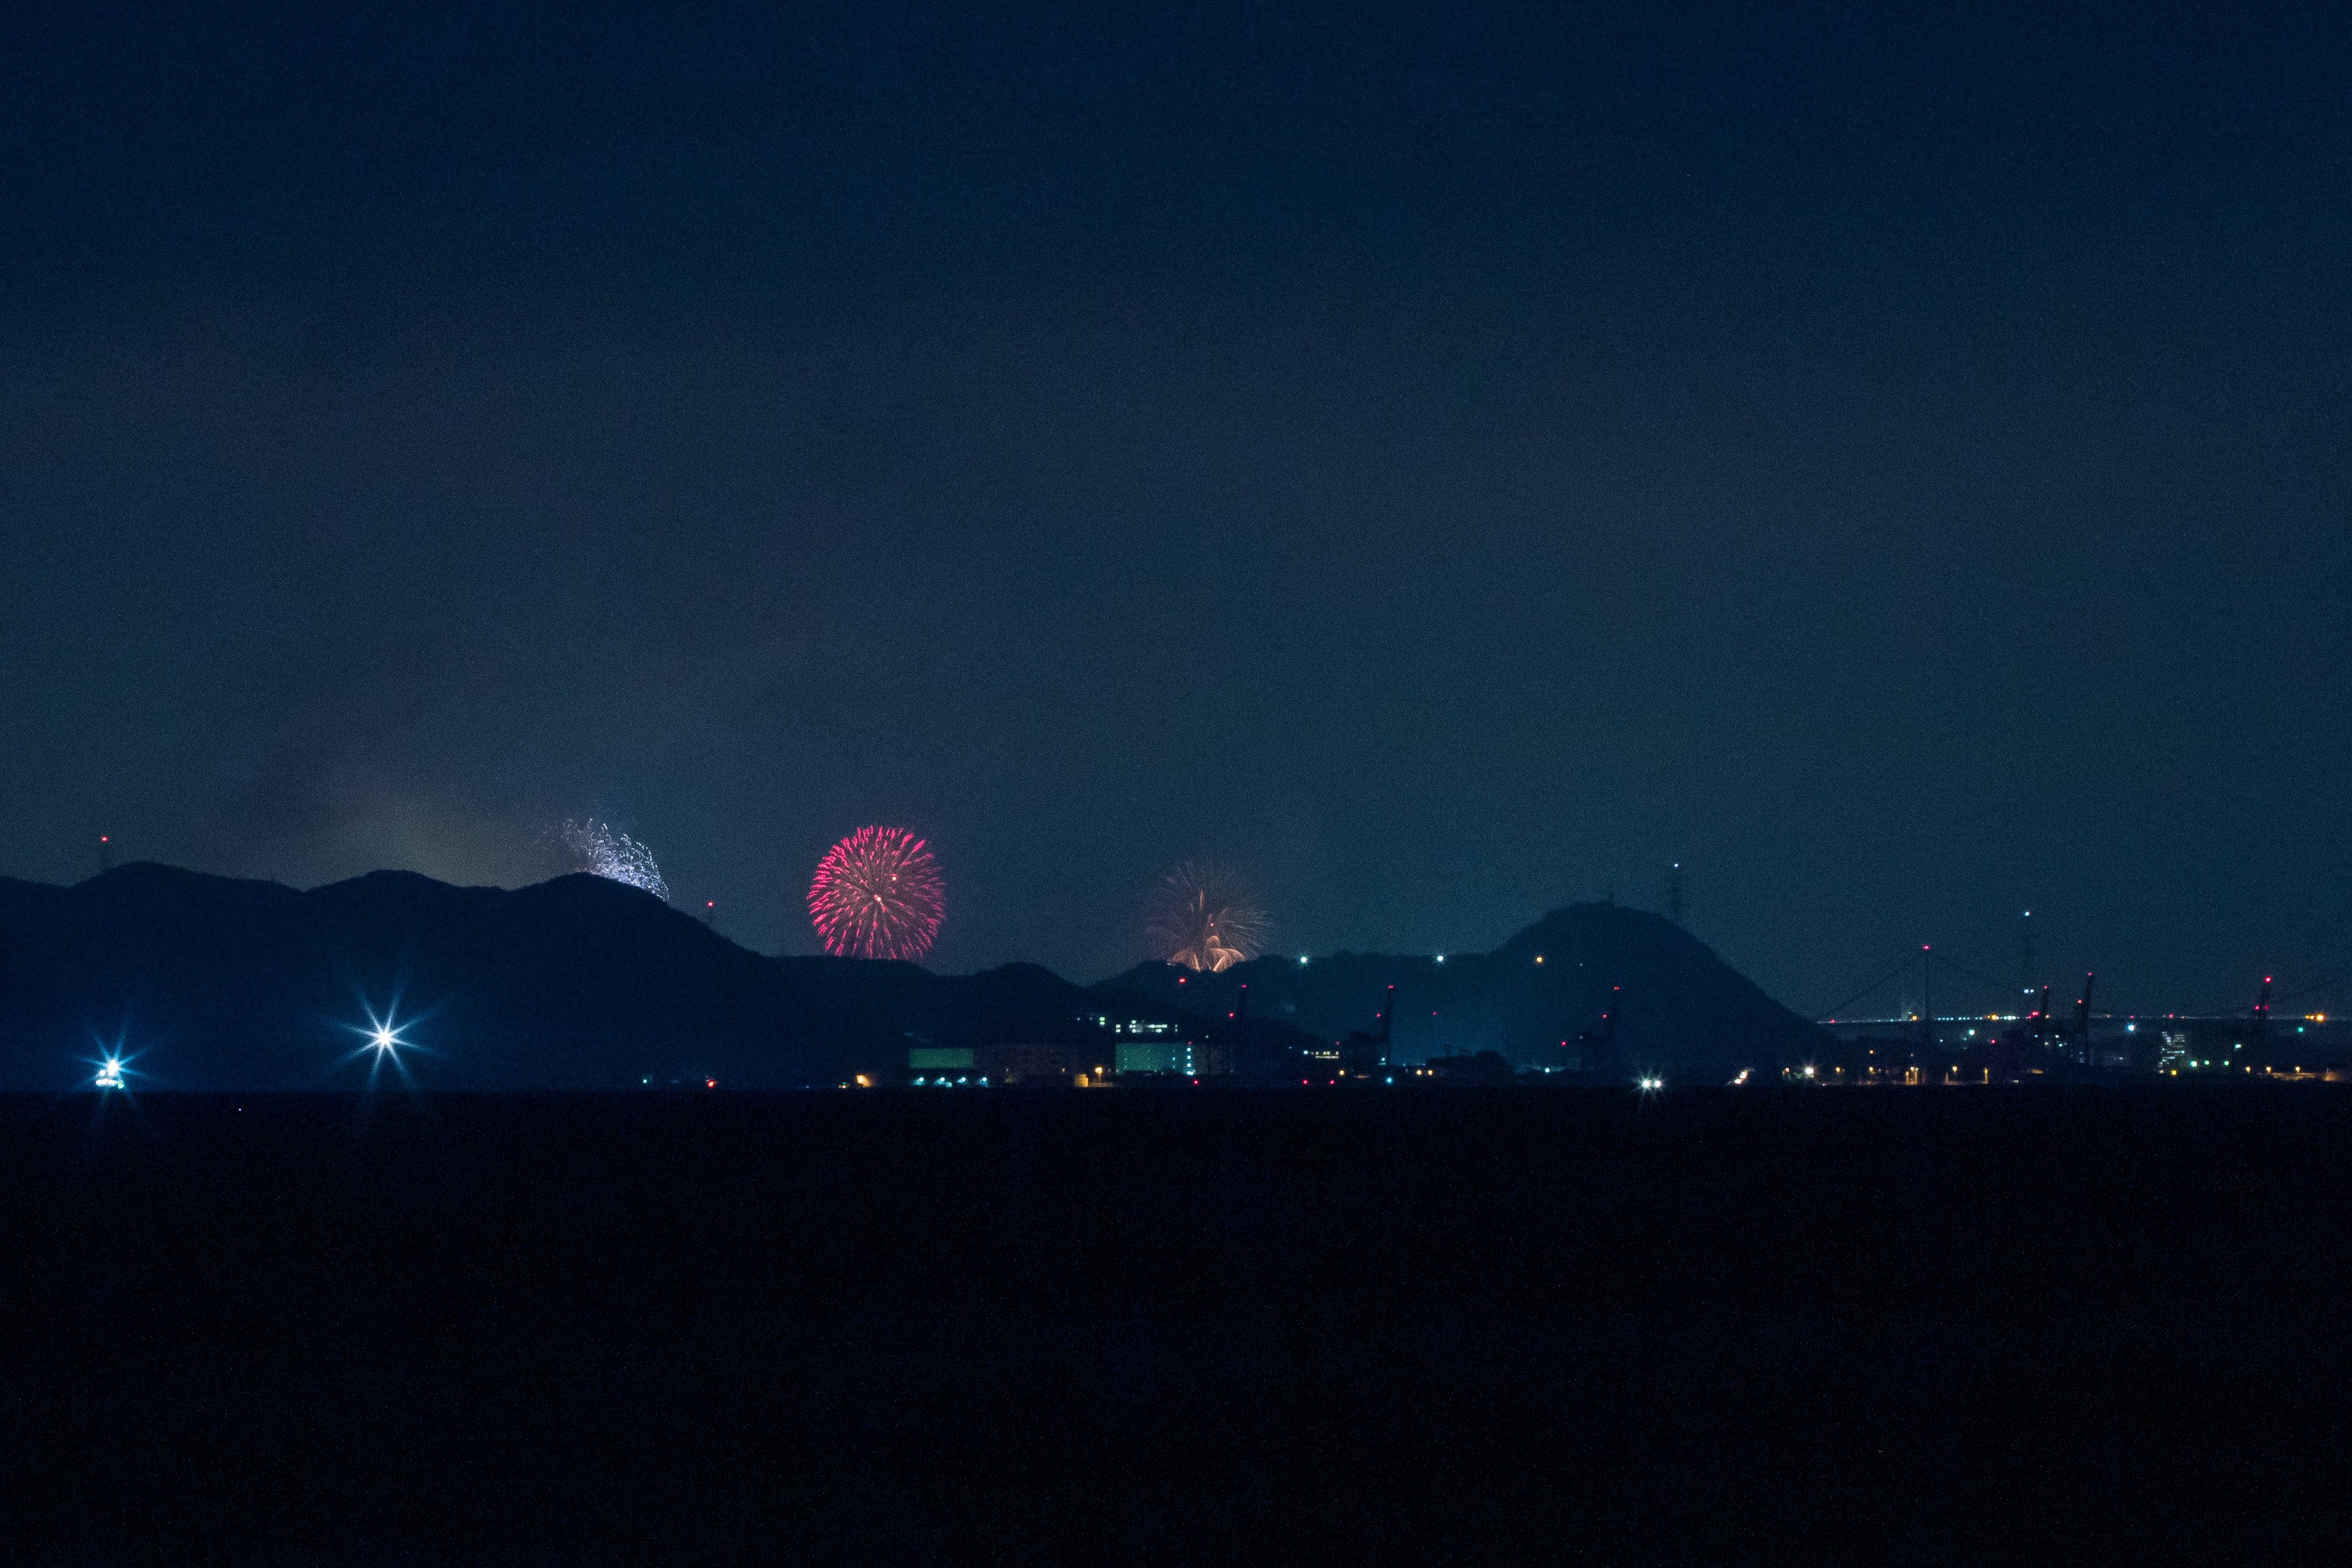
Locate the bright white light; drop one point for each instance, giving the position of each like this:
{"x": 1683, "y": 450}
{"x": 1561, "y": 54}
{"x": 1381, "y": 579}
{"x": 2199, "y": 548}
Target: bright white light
{"x": 110, "y": 1075}
{"x": 382, "y": 1039}
{"x": 1651, "y": 1085}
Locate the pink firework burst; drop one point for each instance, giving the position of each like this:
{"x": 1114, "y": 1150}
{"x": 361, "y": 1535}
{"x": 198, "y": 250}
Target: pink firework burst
{"x": 878, "y": 894}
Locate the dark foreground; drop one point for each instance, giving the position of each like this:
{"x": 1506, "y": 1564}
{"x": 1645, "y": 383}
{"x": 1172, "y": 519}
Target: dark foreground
{"x": 1850, "y": 1326}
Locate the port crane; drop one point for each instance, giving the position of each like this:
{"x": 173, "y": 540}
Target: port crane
{"x": 1363, "y": 1053}
{"x": 1597, "y": 1049}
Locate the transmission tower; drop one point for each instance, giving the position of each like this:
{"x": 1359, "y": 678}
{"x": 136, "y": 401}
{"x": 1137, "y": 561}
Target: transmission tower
{"x": 1675, "y": 893}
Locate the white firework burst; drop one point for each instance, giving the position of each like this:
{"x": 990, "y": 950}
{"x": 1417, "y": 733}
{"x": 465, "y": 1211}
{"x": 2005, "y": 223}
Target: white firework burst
{"x": 1205, "y": 917}
{"x": 599, "y": 851}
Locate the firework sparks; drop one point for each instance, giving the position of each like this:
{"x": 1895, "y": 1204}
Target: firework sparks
{"x": 599, "y": 851}
{"x": 878, "y": 894}
{"x": 1204, "y": 917}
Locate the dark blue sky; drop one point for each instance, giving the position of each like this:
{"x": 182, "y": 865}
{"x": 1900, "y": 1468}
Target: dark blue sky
{"x": 1446, "y": 463}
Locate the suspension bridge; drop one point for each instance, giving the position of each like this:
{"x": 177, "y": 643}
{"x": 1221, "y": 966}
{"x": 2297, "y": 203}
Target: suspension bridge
{"x": 1932, "y": 1015}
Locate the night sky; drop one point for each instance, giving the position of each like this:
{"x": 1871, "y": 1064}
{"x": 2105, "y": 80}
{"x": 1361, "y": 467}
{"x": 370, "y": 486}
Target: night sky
{"x": 1447, "y": 464}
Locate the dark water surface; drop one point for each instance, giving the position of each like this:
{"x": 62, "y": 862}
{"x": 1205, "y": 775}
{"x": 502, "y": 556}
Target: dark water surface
{"x": 1451, "y": 1326}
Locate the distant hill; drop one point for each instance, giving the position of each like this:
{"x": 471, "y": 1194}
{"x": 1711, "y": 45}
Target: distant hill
{"x": 580, "y": 982}
{"x": 1682, "y": 1012}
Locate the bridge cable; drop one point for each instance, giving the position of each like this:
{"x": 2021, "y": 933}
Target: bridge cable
{"x": 1972, "y": 974}
{"x": 1833, "y": 1012}
{"x": 2308, "y": 989}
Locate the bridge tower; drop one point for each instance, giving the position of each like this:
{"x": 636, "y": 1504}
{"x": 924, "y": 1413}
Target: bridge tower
{"x": 1927, "y": 1002}
{"x": 2083, "y": 1020}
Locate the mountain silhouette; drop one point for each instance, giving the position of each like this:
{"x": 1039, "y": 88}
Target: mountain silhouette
{"x": 1682, "y": 1013}
{"x": 210, "y": 983}
{"x": 577, "y": 983}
